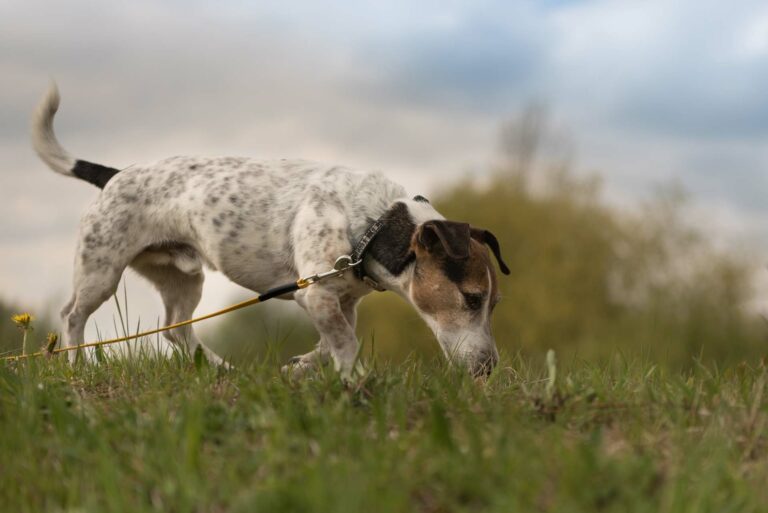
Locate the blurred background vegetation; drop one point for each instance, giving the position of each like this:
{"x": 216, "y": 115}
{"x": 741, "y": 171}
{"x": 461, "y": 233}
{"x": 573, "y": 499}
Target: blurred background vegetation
{"x": 588, "y": 279}
{"x": 10, "y": 334}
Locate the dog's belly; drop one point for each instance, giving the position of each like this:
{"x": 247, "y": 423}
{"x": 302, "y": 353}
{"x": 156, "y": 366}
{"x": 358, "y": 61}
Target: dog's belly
{"x": 257, "y": 273}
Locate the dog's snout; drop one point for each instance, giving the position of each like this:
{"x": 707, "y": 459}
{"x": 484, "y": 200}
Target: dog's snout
{"x": 476, "y": 352}
{"x": 484, "y": 362}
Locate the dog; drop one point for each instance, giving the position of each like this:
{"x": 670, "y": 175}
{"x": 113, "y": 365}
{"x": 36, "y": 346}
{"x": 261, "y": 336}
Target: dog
{"x": 263, "y": 223}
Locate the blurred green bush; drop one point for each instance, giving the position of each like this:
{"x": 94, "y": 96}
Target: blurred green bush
{"x": 9, "y": 333}
{"x": 587, "y": 278}
{"x": 591, "y": 280}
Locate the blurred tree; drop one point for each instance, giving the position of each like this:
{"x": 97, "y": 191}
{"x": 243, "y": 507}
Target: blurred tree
{"x": 521, "y": 140}
{"x": 586, "y": 277}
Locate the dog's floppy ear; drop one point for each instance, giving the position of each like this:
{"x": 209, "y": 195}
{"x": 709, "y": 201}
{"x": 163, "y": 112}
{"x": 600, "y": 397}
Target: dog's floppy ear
{"x": 488, "y": 238}
{"x": 447, "y": 237}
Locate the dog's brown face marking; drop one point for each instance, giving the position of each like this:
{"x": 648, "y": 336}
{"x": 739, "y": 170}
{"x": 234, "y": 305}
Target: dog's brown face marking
{"x": 453, "y": 291}
{"x": 455, "y": 288}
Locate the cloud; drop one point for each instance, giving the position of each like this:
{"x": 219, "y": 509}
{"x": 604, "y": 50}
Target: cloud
{"x": 730, "y": 173}
{"x": 681, "y": 69}
{"x": 651, "y": 90}
{"x": 480, "y": 63}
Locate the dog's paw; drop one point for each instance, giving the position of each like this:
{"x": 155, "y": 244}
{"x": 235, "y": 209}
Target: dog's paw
{"x": 353, "y": 374}
{"x": 212, "y": 358}
{"x": 301, "y": 365}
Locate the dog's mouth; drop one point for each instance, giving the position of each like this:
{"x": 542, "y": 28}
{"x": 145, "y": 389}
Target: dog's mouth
{"x": 483, "y": 364}
{"x": 477, "y": 353}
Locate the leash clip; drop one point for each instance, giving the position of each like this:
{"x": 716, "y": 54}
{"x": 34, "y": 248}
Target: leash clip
{"x": 342, "y": 265}
{"x": 344, "y": 262}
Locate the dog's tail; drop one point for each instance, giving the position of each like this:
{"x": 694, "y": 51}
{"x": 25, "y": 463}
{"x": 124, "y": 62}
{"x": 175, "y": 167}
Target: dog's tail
{"x": 50, "y": 151}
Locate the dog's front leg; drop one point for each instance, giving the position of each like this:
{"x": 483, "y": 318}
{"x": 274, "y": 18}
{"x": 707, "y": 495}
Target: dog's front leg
{"x": 327, "y": 314}
{"x": 320, "y": 356}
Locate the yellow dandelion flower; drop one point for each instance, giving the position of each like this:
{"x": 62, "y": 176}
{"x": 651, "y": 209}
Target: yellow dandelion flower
{"x": 23, "y": 320}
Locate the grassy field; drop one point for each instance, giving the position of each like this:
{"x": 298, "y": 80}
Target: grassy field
{"x": 649, "y": 409}
{"x": 175, "y": 435}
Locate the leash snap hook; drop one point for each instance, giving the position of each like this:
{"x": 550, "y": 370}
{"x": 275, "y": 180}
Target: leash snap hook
{"x": 342, "y": 265}
{"x": 344, "y": 262}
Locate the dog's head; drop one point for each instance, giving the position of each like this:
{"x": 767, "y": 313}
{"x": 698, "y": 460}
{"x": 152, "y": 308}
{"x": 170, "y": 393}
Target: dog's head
{"x": 454, "y": 288}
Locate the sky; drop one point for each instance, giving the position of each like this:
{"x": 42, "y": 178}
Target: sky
{"x": 648, "y": 92}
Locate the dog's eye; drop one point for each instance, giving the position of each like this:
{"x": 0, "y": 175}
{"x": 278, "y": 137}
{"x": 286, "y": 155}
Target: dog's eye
{"x": 474, "y": 300}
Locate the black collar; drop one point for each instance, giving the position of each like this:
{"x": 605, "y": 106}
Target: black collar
{"x": 358, "y": 253}
{"x": 362, "y": 246}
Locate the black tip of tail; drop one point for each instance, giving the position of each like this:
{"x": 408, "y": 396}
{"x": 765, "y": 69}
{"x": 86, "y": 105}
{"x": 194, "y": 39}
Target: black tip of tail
{"x": 96, "y": 174}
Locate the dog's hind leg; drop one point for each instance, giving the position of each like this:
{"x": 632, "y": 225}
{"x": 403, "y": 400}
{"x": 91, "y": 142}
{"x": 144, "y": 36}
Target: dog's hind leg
{"x": 181, "y": 292}
{"x": 91, "y": 290}
{"x": 109, "y": 239}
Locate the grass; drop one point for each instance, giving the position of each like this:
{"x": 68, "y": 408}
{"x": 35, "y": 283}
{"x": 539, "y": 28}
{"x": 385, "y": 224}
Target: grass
{"x": 174, "y": 435}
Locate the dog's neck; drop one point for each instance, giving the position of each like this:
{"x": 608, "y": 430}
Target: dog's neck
{"x": 389, "y": 259}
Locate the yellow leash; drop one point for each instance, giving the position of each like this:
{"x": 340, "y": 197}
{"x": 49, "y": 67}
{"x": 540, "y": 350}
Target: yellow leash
{"x": 342, "y": 264}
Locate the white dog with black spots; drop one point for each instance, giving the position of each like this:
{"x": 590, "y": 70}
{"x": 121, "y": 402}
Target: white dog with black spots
{"x": 264, "y": 223}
